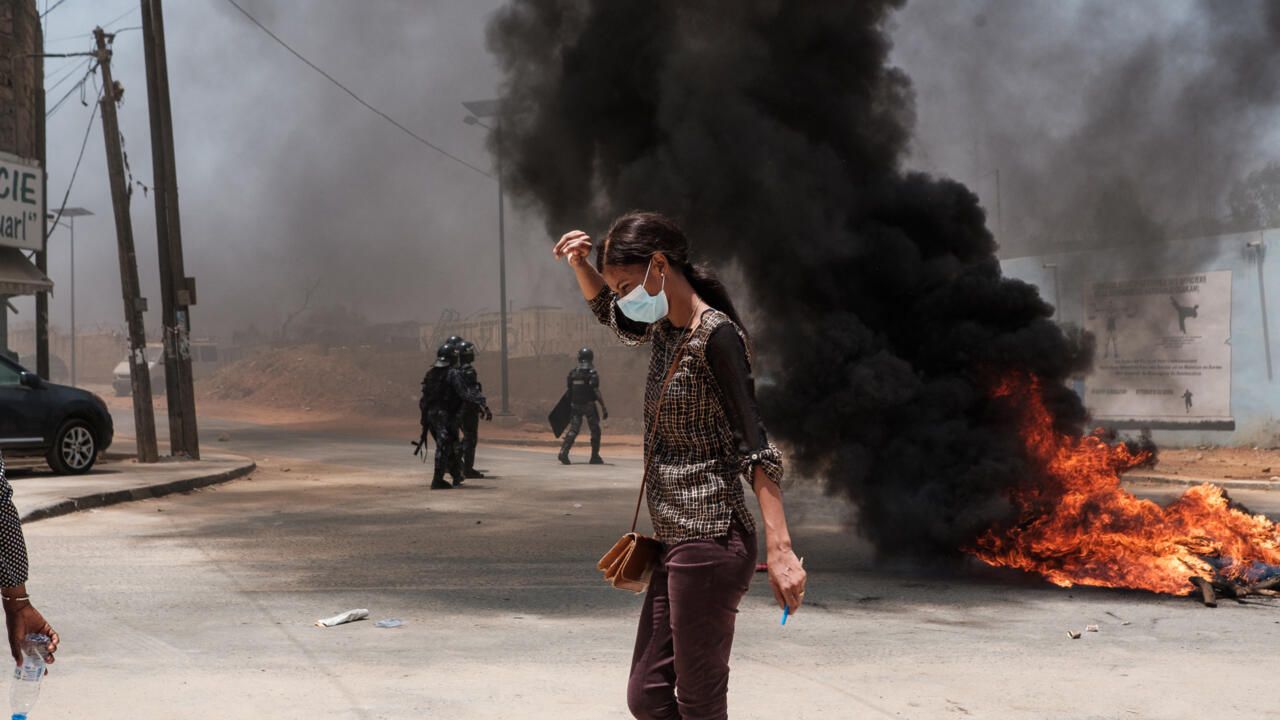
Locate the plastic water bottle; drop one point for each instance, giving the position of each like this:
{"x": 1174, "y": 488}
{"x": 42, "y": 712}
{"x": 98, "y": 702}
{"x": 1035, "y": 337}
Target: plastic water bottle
{"x": 27, "y": 677}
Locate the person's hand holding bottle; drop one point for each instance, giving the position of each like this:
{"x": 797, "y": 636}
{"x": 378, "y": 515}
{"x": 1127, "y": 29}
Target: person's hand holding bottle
{"x": 23, "y": 619}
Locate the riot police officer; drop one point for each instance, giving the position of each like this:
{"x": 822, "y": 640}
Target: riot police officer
{"x": 463, "y": 400}
{"x": 437, "y": 418}
{"x": 470, "y": 420}
{"x": 584, "y": 393}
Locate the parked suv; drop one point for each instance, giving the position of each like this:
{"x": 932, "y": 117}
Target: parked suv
{"x": 66, "y": 425}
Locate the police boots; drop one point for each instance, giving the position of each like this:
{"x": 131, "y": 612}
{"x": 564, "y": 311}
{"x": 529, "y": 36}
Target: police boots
{"x": 595, "y": 452}
{"x": 438, "y": 481}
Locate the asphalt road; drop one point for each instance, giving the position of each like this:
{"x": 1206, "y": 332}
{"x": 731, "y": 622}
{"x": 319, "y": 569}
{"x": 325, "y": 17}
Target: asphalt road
{"x": 201, "y": 606}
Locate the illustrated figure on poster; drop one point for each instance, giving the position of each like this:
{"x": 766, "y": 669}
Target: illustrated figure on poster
{"x": 1184, "y": 312}
{"x": 1109, "y": 347}
{"x": 1186, "y": 398}
{"x": 1111, "y": 313}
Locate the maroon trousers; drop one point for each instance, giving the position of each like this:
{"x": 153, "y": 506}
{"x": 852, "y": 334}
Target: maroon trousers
{"x": 680, "y": 669}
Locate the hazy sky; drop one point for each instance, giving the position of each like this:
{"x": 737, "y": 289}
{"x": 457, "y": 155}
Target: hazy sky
{"x": 286, "y": 181}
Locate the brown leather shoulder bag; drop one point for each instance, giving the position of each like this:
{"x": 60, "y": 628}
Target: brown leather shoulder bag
{"x": 629, "y": 563}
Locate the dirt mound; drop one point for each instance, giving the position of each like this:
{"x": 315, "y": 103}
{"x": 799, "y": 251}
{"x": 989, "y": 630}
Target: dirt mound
{"x": 375, "y": 382}
{"x": 358, "y": 380}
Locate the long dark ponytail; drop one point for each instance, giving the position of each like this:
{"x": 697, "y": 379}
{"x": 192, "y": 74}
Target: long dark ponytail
{"x": 636, "y": 236}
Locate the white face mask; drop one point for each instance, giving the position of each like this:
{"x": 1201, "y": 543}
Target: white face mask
{"x": 642, "y": 307}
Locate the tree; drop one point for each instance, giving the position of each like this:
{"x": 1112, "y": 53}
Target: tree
{"x": 306, "y": 301}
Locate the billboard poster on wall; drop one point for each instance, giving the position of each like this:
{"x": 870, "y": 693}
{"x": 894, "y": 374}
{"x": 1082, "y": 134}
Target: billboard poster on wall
{"x": 1163, "y": 350}
{"x": 21, "y": 202}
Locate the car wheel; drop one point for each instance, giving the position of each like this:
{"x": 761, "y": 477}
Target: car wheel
{"x": 75, "y": 449}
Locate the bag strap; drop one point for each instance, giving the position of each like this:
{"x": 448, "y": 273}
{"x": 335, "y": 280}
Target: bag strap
{"x": 653, "y": 431}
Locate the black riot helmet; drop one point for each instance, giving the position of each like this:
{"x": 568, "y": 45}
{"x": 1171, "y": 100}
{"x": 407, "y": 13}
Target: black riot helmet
{"x": 586, "y": 356}
{"x": 467, "y": 352}
{"x": 455, "y": 340}
{"x": 444, "y": 355}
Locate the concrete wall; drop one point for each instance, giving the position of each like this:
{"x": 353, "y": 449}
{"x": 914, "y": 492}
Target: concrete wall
{"x": 1255, "y": 398}
{"x": 97, "y": 353}
{"x": 532, "y": 332}
{"x": 21, "y": 79}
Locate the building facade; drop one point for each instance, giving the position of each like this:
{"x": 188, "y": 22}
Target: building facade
{"x": 21, "y": 151}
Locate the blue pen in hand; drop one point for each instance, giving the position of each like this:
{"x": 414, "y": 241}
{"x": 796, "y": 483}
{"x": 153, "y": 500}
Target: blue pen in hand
{"x": 786, "y": 609}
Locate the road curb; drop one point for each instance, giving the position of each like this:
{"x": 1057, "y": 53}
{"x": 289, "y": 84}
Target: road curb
{"x": 1176, "y": 481}
{"x": 67, "y": 506}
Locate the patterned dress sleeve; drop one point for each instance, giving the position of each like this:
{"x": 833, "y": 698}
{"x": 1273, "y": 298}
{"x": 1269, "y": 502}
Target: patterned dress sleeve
{"x": 727, "y": 358}
{"x": 605, "y": 307}
{"x": 13, "y": 548}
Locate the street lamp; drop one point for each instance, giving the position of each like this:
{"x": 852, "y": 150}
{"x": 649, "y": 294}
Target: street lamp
{"x": 72, "y": 213}
{"x": 1057, "y": 296}
{"x": 1259, "y": 249}
{"x": 489, "y": 109}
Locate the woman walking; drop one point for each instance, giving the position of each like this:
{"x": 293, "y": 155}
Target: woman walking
{"x": 707, "y": 437}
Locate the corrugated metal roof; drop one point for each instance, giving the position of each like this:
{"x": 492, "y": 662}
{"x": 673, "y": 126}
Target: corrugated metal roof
{"x": 18, "y": 276}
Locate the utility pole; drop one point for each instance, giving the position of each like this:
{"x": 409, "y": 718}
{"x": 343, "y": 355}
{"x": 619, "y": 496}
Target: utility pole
{"x": 42, "y": 257}
{"x": 502, "y": 275}
{"x": 134, "y": 304}
{"x": 176, "y": 290}
{"x": 489, "y": 109}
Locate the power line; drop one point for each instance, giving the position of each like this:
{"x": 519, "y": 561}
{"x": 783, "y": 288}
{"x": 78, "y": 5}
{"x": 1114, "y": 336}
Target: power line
{"x": 93, "y": 115}
{"x": 48, "y": 10}
{"x": 51, "y": 69}
{"x": 354, "y": 96}
{"x": 121, "y": 16}
{"x": 78, "y": 86}
{"x": 106, "y": 26}
{"x": 67, "y": 71}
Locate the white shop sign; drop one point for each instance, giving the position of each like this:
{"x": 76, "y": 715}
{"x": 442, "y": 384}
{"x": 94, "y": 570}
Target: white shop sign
{"x": 21, "y": 203}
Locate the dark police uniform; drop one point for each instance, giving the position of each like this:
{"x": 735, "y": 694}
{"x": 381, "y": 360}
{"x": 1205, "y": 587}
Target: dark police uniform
{"x": 584, "y": 391}
{"x": 470, "y": 420}
{"x": 463, "y": 397}
{"x": 439, "y": 421}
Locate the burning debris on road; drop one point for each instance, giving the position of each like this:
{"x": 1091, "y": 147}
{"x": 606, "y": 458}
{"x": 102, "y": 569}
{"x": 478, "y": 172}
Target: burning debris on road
{"x": 1076, "y": 525}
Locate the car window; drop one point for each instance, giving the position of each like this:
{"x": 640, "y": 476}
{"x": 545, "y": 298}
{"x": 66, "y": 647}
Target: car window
{"x": 9, "y": 375}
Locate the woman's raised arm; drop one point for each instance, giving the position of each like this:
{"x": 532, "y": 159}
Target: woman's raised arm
{"x": 575, "y": 248}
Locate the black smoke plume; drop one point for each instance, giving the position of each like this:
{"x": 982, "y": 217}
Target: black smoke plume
{"x": 775, "y": 131}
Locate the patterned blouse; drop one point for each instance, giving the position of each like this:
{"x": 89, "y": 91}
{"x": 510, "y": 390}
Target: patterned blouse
{"x": 709, "y": 436}
{"x": 13, "y": 548}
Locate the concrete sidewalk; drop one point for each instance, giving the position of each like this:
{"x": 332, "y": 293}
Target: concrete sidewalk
{"x": 1154, "y": 478}
{"x": 40, "y": 494}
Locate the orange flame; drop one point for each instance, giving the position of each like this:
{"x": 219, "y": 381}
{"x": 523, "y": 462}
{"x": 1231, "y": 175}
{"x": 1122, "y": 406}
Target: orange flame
{"x": 1081, "y": 527}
